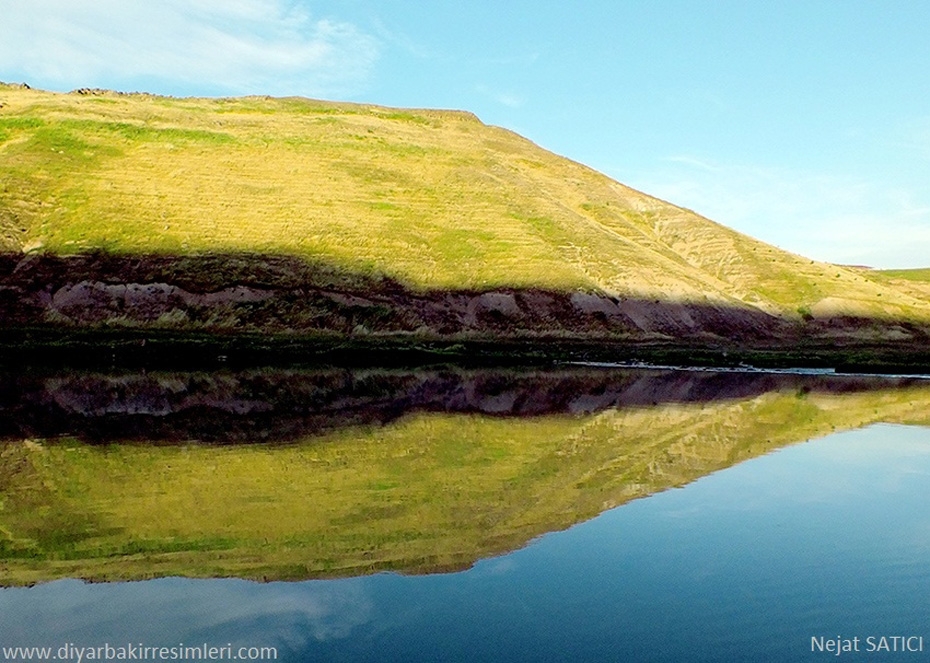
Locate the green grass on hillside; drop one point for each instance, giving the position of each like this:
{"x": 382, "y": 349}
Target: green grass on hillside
{"x": 920, "y": 275}
{"x": 914, "y": 282}
{"x": 435, "y": 199}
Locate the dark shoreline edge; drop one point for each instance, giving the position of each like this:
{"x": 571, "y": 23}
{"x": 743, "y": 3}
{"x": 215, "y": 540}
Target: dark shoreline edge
{"x": 137, "y": 348}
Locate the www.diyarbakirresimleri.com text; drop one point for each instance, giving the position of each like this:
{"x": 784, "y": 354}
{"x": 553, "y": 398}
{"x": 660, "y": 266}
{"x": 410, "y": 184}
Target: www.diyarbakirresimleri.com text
{"x": 139, "y": 652}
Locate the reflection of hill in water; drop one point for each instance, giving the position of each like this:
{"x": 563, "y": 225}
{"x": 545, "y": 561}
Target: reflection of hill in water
{"x": 436, "y": 490}
{"x": 283, "y": 406}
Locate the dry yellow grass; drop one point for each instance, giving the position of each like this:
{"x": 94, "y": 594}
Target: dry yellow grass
{"x": 435, "y": 199}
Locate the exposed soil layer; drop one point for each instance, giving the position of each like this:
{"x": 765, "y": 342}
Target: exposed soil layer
{"x": 264, "y": 297}
{"x": 280, "y": 294}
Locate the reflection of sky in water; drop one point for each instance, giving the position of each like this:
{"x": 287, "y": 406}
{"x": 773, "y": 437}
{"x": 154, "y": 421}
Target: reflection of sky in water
{"x": 824, "y": 538}
{"x": 169, "y": 610}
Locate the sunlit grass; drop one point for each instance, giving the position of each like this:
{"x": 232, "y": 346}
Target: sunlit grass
{"x": 919, "y": 275}
{"x": 435, "y": 199}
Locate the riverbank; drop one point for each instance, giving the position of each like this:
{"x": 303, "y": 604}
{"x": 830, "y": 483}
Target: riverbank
{"x": 90, "y": 348}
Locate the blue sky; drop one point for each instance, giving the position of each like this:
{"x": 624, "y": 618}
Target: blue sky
{"x": 805, "y": 124}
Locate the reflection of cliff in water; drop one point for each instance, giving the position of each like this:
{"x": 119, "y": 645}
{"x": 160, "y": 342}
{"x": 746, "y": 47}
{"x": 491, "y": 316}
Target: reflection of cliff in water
{"x": 435, "y": 490}
{"x": 281, "y": 405}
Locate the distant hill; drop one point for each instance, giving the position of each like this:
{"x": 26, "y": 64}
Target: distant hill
{"x": 427, "y": 201}
{"x": 915, "y": 282}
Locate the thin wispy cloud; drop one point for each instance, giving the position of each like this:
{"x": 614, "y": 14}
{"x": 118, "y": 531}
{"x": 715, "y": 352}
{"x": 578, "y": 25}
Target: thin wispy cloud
{"x": 227, "y": 46}
{"x": 509, "y": 100}
{"x": 917, "y": 137}
{"x": 402, "y": 40}
{"x": 691, "y": 161}
{"x": 833, "y": 218}
{"x": 519, "y": 59}
{"x": 503, "y": 98}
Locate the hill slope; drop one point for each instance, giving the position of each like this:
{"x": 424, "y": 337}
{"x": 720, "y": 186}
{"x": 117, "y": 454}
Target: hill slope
{"x": 434, "y": 200}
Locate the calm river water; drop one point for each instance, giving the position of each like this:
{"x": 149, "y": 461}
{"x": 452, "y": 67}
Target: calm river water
{"x": 449, "y": 515}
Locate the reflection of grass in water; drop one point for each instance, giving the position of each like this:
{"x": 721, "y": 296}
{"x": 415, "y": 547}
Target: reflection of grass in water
{"x": 431, "y": 492}
{"x": 35, "y": 517}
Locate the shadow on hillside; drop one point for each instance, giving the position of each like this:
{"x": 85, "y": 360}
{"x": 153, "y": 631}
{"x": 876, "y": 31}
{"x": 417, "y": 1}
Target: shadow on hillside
{"x": 279, "y": 406}
{"x": 230, "y": 292}
{"x": 228, "y": 295}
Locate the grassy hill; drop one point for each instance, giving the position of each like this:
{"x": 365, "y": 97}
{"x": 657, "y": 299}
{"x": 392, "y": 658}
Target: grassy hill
{"x": 915, "y": 282}
{"x": 434, "y": 200}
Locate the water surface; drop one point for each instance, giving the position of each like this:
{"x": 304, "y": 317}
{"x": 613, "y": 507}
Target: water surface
{"x": 697, "y": 528}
